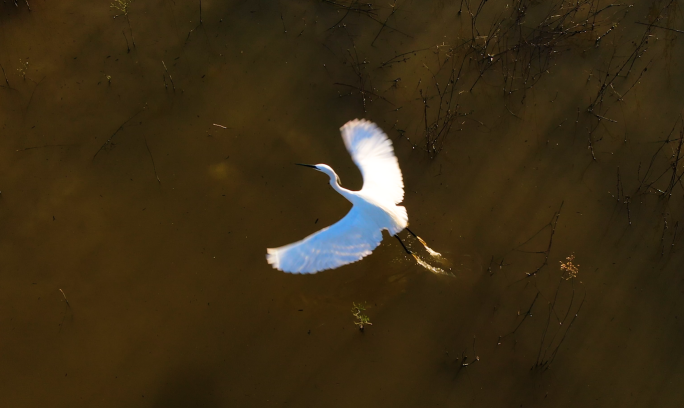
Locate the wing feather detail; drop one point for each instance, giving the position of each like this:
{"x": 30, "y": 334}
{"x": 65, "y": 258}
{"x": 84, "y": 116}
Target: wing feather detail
{"x": 348, "y": 240}
{"x": 372, "y": 151}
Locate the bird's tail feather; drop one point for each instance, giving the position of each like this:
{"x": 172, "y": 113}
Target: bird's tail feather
{"x": 400, "y": 218}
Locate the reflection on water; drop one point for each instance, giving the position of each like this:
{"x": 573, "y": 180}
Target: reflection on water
{"x": 432, "y": 252}
{"x": 433, "y": 269}
{"x": 147, "y": 161}
{"x": 436, "y": 256}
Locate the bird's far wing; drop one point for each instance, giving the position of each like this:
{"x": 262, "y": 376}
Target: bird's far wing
{"x": 346, "y": 241}
{"x": 372, "y": 152}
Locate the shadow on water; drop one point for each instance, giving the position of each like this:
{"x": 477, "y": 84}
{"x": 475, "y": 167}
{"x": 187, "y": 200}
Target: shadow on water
{"x": 146, "y": 163}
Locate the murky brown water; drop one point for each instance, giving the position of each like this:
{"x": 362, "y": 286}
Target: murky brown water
{"x": 122, "y": 195}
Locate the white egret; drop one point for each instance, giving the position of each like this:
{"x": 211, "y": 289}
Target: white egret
{"x": 374, "y": 208}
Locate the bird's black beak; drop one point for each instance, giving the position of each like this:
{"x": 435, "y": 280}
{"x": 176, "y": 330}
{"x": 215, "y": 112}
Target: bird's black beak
{"x": 307, "y": 165}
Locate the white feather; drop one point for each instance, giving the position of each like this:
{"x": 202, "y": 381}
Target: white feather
{"x": 373, "y": 153}
{"x": 348, "y": 240}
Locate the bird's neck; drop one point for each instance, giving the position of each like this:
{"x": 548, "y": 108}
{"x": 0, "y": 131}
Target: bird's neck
{"x": 343, "y": 191}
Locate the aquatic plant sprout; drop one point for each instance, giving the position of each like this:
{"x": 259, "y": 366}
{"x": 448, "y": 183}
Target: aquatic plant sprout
{"x": 121, "y": 5}
{"x": 361, "y": 319}
{"x": 569, "y": 267}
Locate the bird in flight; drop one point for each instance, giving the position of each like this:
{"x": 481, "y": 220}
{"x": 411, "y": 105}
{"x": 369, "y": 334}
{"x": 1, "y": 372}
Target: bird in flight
{"x": 374, "y": 207}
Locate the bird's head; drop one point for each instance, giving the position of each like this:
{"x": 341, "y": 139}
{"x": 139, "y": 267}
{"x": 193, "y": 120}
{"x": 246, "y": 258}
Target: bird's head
{"x": 324, "y": 168}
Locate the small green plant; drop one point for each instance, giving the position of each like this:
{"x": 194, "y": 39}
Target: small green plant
{"x": 571, "y": 269}
{"x": 361, "y": 319}
{"x": 121, "y": 5}
{"x": 23, "y": 68}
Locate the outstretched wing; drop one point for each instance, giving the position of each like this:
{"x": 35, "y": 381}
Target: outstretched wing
{"x": 346, "y": 241}
{"x": 372, "y": 152}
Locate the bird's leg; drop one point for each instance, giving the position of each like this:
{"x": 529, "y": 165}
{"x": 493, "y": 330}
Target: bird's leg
{"x": 403, "y": 246}
{"x": 411, "y": 232}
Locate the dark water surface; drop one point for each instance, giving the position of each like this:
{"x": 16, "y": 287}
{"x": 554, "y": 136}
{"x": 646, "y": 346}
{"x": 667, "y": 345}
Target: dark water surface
{"x": 554, "y": 129}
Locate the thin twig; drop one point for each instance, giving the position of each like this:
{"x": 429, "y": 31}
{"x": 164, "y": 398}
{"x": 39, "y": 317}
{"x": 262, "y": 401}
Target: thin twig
{"x": 170, "y": 77}
{"x": 5, "y": 75}
{"x": 152, "y": 158}
{"x": 120, "y": 128}
{"x": 657, "y": 26}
